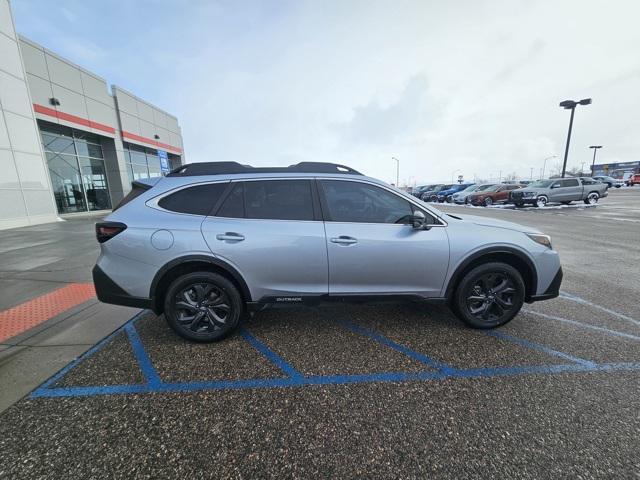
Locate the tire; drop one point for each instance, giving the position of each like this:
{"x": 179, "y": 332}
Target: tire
{"x": 190, "y": 317}
{"x": 489, "y": 295}
{"x": 519, "y": 204}
{"x": 542, "y": 201}
{"x": 488, "y": 202}
{"x": 592, "y": 198}
{"x": 434, "y": 199}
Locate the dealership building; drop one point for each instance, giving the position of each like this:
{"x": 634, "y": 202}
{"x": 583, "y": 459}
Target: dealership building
{"x": 69, "y": 143}
{"x": 616, "y": 170}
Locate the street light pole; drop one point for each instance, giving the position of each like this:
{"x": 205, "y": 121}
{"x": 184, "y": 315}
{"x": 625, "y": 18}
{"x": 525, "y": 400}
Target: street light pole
{"x": 544, "y": 167}
{"x": 397, "y": 171}
{"x": 571, "y": 105}
{"x": 595, "y": 149}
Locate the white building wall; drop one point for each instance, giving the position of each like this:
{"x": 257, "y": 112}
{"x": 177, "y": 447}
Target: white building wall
{"x": 26, "y": 196}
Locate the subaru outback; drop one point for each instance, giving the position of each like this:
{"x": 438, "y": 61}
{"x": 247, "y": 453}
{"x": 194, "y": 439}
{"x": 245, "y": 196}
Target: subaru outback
{"x": 212, "y": 241}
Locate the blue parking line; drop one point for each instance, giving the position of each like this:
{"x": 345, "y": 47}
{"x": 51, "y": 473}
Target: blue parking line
{"x": 584, "y": 325}
{"x": 443, "y": 367}
{"x": 541, "y": 348}
{"x": 96, "y": 348}
{"x": 273, "y": 357}
{"x": 386, "y": 377}
{"x": 144, "y": 362}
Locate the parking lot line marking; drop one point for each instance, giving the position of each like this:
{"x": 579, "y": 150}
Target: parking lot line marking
{"x": 144, "y": 361}
{"x": 539, "y": 347}
{"x": 270, "y": 355}
{"x": 574, "y": 298}
{"x": 584, "y": 325}
{"x": 96, "y": 348}
{"x": 443, "y": 367}
{"x": 487, "y": 372}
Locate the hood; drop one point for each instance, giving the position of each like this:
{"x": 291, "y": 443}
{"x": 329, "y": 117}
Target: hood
{"x": 493, "y": 222}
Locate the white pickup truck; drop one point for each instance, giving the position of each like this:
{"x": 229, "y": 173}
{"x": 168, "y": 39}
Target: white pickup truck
{"x": 560, "y": 190}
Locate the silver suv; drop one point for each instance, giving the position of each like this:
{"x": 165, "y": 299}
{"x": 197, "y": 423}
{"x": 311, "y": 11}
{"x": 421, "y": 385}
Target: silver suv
{"x": 212, "y": 241}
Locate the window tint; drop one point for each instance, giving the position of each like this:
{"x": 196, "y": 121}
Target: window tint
{"x": 513, "y": 187}
{"x": 233, "y": 205}
{"x": 196, "y": 200}
{"x": 278, "y": 199}
{"x": 588, "y": 181}
{"x": 364, "y": 203}
{"x": 571, "y": 182}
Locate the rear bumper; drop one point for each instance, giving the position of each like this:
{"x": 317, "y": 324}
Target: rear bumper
{"x": 109, "y": 291}
{"x": 552, "y": 291}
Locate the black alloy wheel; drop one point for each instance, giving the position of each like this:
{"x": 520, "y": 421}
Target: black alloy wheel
{"x": 203, "y": 306}
{"x": 489, "y": 295}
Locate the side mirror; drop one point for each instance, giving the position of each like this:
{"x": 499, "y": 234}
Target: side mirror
{"x": 419, "y": 220}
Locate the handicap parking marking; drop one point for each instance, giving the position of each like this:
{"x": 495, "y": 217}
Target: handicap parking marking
{"x": 154, "y": 384}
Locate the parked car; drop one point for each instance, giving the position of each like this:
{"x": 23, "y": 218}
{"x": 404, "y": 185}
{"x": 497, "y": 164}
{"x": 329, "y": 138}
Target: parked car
{"x": 461, "y": 197}
{"x": 634, "y": 180}
{"x": 417, "y": 191}
{"x": 610, "y": 181}
{"x": 560, "y": 190}
{"x": 211, "y": 241}
{"x": 445, "y": 195}
{"x": 497, "y": 194}
{"x": 432, "y": 195}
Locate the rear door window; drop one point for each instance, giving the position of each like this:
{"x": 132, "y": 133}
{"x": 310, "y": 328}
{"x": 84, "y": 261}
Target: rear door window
{"x": 195, "y": 200}
{"x": 278, "y": 200}
{"x": 233, "y": 205}
{"x": 570, "y": 182}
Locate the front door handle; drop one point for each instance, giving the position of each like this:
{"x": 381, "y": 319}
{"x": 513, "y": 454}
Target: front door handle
{"x": 230, "y": 236}
{"x": 344, "y": 240}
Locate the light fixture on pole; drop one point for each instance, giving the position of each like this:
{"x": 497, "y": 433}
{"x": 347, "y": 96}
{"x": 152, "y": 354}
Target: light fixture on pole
{"x": 595, "y": 150}
{"x": 544, "y": 166}
{"x": 397, "y": 171}
{"x": 571, "y": 105}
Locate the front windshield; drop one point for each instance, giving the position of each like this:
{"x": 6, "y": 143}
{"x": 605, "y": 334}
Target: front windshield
{"x": 492, "y": 188}
{"x": 484, "y": 187}
{"x": 470, "y": 188}
{"x": 541, "y": 184}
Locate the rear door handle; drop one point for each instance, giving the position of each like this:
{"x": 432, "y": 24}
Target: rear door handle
{"x": 230, "y": 236}
{"x": 344, "y": 240}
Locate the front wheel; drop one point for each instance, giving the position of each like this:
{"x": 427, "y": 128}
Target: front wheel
{"x": 489, "y": 295}
{"x": 542, "y": 201}
{"x": 592, "y": 198}
{"x": 488, "y": 202}
{"x": 202, "y": 306}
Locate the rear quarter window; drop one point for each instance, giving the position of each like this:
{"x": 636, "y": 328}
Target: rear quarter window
{"x": 195, "y": 200}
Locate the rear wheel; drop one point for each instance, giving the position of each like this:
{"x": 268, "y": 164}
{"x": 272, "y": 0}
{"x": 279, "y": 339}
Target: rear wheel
{"x": 202, "y": 306}
{"x": 592, "y": 198}
{"x": 489, "y": 295}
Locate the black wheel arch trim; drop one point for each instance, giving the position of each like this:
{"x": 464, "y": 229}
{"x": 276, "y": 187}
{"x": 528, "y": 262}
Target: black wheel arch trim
{"x": 457, "y": 274}
{"x": 237, "y": 277}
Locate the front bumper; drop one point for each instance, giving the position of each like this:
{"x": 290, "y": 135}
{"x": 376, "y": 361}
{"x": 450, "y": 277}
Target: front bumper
{"x": 552, "y": 291}
{"x": 109, "y": 291}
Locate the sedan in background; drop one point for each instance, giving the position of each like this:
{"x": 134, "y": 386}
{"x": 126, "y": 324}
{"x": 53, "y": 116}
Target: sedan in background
{"x": 461, "y": 197}
{"x": 610, "y": 181}
{"x": 445, "y": 195}
{"x": 496, "y": 194}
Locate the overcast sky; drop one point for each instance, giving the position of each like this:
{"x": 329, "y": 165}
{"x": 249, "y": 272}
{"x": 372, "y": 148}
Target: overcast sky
{"x": 470, "y": 85}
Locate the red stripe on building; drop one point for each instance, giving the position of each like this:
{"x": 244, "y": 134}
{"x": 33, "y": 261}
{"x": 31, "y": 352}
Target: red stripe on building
{"x": 72, "y": 118}
{"x": 139, "y": 138}
{"x": 40, "y": 309}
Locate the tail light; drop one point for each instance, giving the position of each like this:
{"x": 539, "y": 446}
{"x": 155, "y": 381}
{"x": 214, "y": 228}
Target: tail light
{"x": 108, "y": 230}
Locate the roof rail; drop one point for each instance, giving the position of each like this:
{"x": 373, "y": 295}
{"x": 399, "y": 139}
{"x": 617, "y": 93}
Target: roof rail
{"x": 225, "y": 168}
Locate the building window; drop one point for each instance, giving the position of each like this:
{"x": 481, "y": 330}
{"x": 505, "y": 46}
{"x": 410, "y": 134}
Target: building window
{"x": 141, "y": 162}
{"x": 77, "y": 169}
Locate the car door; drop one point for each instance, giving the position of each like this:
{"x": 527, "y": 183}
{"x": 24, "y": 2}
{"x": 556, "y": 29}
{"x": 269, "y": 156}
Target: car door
{"x": 271, "y": 231}
{"x": 372, "y": 249}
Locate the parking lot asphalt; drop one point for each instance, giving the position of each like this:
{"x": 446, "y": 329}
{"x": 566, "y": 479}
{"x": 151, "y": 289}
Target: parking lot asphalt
{"x": 360, "y": 391}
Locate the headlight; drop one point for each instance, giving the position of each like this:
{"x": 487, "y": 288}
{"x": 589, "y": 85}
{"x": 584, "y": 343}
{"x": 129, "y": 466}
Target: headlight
{"x": 541, "y": 239}
{"x": 528, "y": 194}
